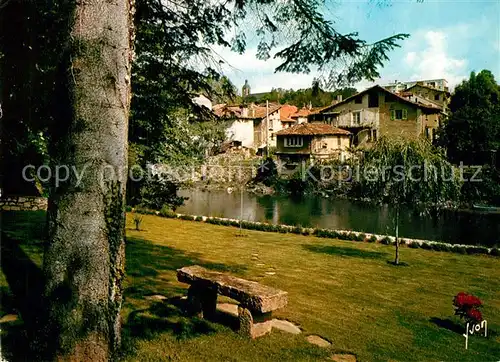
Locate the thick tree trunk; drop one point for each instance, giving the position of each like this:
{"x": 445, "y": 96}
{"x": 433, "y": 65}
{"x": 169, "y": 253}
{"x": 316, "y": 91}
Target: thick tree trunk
{"x": 84, "y": 259}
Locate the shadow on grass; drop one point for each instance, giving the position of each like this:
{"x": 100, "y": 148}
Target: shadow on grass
{"x": 151, "y": 270}
{"x": 347, "y": 252}
{"x": 24, "y": 295}
{"x": 448, "y": 324}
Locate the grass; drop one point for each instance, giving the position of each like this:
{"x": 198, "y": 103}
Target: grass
{"x": 345, "y": 292}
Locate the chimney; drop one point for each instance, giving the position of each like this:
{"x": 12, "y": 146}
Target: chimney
{"x": 339, "y": 98}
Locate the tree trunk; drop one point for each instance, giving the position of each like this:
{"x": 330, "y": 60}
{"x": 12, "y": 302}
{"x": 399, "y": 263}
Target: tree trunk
{"x": 85, "y": 255}
{"x": 396, "y": 259}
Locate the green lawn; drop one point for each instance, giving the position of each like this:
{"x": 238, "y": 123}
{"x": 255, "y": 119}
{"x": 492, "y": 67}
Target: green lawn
{"x": 343, "y": 291}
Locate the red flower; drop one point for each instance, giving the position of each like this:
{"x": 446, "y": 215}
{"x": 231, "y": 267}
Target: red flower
{"x": 474, "y": 315}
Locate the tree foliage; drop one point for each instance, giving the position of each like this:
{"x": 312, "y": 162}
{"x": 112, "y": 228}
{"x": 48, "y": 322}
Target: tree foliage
{"x": 472, "y": 132}
{"x": 410, "y": 173}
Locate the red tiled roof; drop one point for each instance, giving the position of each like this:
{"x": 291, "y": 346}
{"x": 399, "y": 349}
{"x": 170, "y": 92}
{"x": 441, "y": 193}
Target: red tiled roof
{"x": 312, "y": 129}
{"x": 303, "y": 112}
{"x": 286, "y": 111}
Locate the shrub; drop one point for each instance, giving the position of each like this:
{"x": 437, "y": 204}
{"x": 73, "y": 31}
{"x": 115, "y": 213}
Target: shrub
{"x": 166, "y": 212}
{"x": 495, "y": 252}
{"x": 128, "y": 208}
{"x": 296, "y": 230}
{"x": 413, "y": 245}
{"x": 157, "y": 192}
{"x": 187, "y": 217}
{"x": 459, "y": 249}
{"x": 386, "y": 240}
{"x": 361, "y": 237}
{"x": 476, "y": 250}
{"x": 198, "y": 218}
{"x": 137, "y": 221}
{"x": 426, "y": 246}
{"x": 306, "y": 232}
{"x": 372, "y": 239}
{"x": 467, "y": 307}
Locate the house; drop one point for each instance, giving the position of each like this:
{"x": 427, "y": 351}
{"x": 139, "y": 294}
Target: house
{"x": 311, "y": 141}
{"x": 439, "y": 84}
{"x": 286, "y": 112}
{"x": 247, "y": 124}
{"x": 301, "y": 115}
{"x": 377, "y": 111}
{"x": 435, "y": 96}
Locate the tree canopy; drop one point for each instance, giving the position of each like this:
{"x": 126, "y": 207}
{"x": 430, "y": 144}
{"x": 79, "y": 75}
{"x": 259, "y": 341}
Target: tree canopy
{"x": 472, "y": 132}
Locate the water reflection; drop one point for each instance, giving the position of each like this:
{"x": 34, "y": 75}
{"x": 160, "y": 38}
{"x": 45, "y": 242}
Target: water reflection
{"x": 312, "y": 211}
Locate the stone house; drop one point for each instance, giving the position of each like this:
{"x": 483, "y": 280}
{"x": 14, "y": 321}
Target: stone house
{"x": 376, "y": 111}
{"x": 311, "y": 141}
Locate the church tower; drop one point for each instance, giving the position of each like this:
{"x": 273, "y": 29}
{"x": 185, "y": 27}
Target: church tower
{"x": 245, "y": 91}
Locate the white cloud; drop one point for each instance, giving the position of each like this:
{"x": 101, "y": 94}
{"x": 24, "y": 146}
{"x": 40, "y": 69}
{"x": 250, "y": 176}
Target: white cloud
{"x": 260, "y": 73}
{"x": 433, "y": 59}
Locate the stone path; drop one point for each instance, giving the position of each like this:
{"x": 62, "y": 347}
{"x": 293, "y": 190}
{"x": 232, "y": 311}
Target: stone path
{"x": 318, "y": 341}
{"x": 343, "y": 357}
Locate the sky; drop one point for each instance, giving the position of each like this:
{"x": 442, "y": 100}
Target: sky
{"x": 448, "y": 39}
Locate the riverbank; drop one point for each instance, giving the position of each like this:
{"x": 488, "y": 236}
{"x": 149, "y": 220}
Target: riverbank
{"x": 344, "y": 292}
{"x": 329, "y": 233}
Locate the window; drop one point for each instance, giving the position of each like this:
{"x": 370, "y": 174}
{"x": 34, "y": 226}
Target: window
{"x": 436, "y": 97}
{"x": 373, "y": 100}
{"x": 339, "y": 141}
{"x": 399, "y": 114}
{"x": 388, "y": 98}
{"x": 374, "y": 135}
{"x": 358, "y": 100}
{"x": 294, "y": 141}
{"x": 356, "y": 118}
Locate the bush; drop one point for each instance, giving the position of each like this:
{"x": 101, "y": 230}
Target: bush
{"x": 306, "y": 232}
{"x": 386, "y": 240}
{"x": 372, "y": 239}
{"x": 187, "y": 217}
{"x": 137, "y": 221}
{"x": 426, "y": 246}
{"x": 361, "y": 237}
{"x": 296, "y": 230}
{"x": 495, "y": 252}
{"x": 198, "y": 218}
{"x": 157, "y": 192}
{"x": 459, "y": 249}
{"x": 166, "y": 212}
{"x": 413, "y": 245}
{"x": 477, "y": 250}
{"x": 128, "y": 208}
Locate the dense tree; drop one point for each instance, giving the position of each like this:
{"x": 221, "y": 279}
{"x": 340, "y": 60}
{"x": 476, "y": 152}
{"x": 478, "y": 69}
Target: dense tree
{"x": 408, "y": 173}
{"x": 472, "y": 132}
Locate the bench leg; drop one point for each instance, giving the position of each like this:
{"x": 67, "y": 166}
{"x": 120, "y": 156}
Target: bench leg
{"x": 194, "y": 301}
{"x": 249, "y": 328}
{"x": 202, "y": 302}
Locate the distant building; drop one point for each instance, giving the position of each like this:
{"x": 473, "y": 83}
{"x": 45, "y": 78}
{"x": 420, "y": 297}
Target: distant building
{"x": 439, "y": 84}
{"x": 247, "y": 124}
{"x": 245, "y": 90}
{"x": 311, "y": 141}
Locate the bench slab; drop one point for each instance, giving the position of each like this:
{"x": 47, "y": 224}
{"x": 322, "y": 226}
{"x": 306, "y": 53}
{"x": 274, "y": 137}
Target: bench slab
{"x": 252, "y": 295}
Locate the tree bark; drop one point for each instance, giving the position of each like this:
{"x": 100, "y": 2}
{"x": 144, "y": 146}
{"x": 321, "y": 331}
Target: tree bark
{"x": 84, "y": 259}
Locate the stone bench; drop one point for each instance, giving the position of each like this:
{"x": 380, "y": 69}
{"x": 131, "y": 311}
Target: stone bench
{"x": 257, "y": 301}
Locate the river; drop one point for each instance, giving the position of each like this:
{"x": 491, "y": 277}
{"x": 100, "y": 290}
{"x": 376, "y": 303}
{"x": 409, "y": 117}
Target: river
{"x": 456, "y": 227}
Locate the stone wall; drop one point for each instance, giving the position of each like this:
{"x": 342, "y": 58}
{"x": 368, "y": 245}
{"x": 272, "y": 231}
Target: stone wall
{"x": 23, "y": 203}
